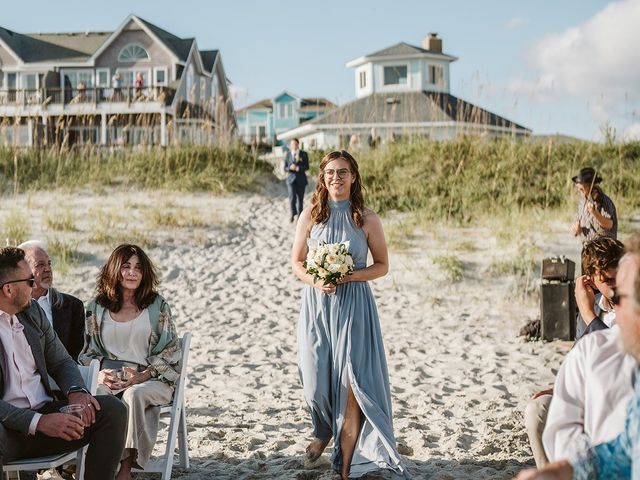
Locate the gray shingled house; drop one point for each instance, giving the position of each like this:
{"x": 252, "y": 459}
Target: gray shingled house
{"x": 402, "y": 90}
{"x": 136, "y": 85}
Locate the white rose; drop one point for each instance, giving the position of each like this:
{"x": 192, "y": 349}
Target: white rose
{"x": 343, "y": 269}
{"x": 331, "y": 258}
{"x": 349, "y": 261}
{"x": 322, "y": 272}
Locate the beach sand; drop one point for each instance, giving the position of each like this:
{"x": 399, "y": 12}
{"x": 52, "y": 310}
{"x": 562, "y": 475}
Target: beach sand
{"x": 460, "y": 377}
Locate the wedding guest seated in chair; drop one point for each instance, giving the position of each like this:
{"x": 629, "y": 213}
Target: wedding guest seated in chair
{"x": 130, "y": 330}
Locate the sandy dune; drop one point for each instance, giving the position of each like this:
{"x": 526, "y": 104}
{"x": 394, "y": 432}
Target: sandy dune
{"x": 459, "y": 376}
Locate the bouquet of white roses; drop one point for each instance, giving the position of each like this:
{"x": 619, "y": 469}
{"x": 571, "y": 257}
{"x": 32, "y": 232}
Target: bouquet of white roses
{"x": 329, "y": 262}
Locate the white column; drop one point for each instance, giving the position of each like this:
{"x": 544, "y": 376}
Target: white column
{"x": 163, "y": 129}
{"x": 30, "y": 132}
{"x": 103, "y": 128}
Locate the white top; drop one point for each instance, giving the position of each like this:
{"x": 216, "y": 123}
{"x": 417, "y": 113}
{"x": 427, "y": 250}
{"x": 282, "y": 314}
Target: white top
{"x": 606, "y": 315}
{"x": 23, "y": 387}
{"x": 590, "y": 397}
{"x": 128, "y": 341}
{"x": 45, "y": 303}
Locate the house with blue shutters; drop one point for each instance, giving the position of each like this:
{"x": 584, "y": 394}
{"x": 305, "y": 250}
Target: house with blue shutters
{"x": 260, "y": 122}
{"x": 402, "y": 90}
{"x": 138, "y": 84}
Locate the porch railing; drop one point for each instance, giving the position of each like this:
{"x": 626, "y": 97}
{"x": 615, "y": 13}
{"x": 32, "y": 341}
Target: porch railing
{"x": 70, "y": 96}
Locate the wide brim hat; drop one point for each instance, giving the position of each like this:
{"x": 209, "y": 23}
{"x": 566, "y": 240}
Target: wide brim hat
{"x": 586, "y": 176}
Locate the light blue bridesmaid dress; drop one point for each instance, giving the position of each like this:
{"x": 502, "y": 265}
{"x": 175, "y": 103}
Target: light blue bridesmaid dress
{"x": 339, "y": 341}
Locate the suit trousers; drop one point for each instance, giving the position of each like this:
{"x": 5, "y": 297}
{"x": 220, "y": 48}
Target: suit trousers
{"x": 105, "y": 438}
{"x": 296, "y": 195}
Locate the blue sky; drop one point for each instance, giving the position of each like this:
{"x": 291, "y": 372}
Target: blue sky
{"x": 566, "y": 67}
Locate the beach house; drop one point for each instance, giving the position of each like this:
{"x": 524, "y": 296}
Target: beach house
{"x": 260, "y": 122}
{"x": 402, "y": 90}
{"x": 136, "y": 85}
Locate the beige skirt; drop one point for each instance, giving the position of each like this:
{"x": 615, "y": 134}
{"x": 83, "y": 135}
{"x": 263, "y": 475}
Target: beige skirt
{"x": 142, "y": 427}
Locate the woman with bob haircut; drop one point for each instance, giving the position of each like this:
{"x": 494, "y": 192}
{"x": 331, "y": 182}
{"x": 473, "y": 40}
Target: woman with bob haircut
{"x": 340, "y": 351}
{"x": 130, "y": 330}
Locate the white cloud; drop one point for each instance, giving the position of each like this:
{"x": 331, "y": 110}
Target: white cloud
{"x": 514, "y": 23}
{"x": 597, "y": 61}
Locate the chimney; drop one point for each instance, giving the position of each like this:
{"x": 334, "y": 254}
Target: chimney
{"x": 432, "y": 43}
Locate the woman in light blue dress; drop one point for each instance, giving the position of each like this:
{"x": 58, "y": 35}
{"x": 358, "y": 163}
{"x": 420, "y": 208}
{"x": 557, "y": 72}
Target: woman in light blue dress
{"x": 340, "y": 351}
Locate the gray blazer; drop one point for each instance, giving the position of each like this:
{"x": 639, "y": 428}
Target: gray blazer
{"x": 51, "y": 359}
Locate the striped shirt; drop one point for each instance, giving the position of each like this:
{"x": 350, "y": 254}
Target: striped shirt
{"x": 589, "y": 226}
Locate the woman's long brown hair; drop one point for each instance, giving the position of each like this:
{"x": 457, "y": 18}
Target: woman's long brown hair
{"x": 108, "y": 291}
{"x": 319, "y": 203}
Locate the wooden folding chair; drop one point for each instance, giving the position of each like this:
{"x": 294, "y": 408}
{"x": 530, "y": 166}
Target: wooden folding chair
{"x": 90, "y": 377}
{"x": 177, "y": 424}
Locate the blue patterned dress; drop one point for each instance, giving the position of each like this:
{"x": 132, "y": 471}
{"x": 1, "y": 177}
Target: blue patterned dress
{"x": 618, "y": 459}
{"x": 339, "y": 342}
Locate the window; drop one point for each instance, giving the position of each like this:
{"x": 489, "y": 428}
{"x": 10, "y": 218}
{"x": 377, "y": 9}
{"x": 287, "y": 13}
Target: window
{"x": 436, "y": 75}
{"x": 395, "y": 75}
{"x": 132, "y": 53}
{"x": 29, "y": 81}
{"x": 160, "y": 76}
{"x": 11, "y": 81}
{"x": 128, "y": 77}
{"x": 77, "y": 76}
{"x": 285, "y": 110}
{"x": 102, "y": 77}
{"x": 363, "y": 79}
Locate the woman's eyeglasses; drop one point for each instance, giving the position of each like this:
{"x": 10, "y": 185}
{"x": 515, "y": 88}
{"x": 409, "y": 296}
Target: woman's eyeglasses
{"x": 30, "y": 281}
{"x": 617, "y": 297}
{"x": 342, "y": 172}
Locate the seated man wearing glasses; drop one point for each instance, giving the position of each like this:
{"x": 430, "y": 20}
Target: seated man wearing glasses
{"x": 594, "y": 292}
{"x": 30, "y": 351}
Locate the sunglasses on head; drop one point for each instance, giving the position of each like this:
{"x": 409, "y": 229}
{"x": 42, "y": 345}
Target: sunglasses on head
{"x": 31, "y": 281}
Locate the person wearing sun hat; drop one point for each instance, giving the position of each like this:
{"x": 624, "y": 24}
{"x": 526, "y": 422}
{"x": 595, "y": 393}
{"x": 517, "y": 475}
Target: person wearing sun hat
{"x": 596, "y": 216}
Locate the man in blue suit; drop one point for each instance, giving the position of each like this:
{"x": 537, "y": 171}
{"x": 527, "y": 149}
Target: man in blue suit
{"x": 296, "y": 164}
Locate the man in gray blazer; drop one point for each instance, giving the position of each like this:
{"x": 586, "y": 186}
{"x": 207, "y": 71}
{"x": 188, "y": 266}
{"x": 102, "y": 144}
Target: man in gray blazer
{"x": 30, "y": 351}
{"x": 65, "y": 312}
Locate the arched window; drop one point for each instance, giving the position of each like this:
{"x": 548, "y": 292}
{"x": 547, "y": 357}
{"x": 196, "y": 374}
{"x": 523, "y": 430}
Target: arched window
{"x": 132, "y": 53}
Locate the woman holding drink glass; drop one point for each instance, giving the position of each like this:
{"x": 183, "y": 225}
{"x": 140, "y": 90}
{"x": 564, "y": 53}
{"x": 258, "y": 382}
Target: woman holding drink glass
{"x": 130, "y": 330}
{"x": 340, "y": 351}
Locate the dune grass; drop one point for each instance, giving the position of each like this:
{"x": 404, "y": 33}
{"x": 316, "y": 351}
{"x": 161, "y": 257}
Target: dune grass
{"x": 210, "y": 168}
{"x": 467, "y": 179}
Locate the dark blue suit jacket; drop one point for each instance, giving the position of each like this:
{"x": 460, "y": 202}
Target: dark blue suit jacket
{"x": 300, "y": 177}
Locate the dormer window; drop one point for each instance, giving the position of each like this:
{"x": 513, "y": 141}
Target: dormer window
{"x": 395, "y": 75}
{"x": 133, "y": 53}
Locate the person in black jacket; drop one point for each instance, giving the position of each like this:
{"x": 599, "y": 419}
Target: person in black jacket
{"x": 65, "y": 312}
{"x": 296, "y": 164}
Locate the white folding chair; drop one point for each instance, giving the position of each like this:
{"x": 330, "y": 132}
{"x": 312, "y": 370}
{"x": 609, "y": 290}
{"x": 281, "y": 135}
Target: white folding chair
{"x": 90, "y": 377}
{"x": 177, "y": 424}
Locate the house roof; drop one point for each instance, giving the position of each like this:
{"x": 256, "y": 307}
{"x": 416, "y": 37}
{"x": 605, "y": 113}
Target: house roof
{"x": 312, "y": 103}
{"x": 208, "y": 58}
{"x": 404, "y": 48}
{"x": 411, "y": 107}
{"x": 179, "y": 46}
{"x": 261, "y": 105}
{"x": 306, "y": 104}
{"x": 40, "y": 47}
{"x": 35, "y": 48}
